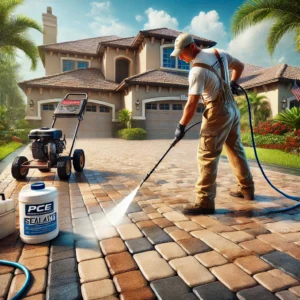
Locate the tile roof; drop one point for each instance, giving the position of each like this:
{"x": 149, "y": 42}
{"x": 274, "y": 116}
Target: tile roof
{"x": 124, "y": 42}
{"x": 91, "y": 79}
{"x": 169, "y": 34}
{"x": 252, "y": 77}
{"x": 158, "y": 77}
{"x": 85, "y": 46}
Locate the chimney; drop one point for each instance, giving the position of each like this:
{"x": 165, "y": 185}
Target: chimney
{"x": 50, "y": 27}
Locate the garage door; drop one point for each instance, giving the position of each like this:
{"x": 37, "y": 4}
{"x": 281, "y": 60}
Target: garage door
{"x": 163, "y": 117}
{"x": 97, "y": 121}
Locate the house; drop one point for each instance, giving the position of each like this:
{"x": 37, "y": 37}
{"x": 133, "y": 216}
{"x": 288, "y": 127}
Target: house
{"x": 136, "y": 73}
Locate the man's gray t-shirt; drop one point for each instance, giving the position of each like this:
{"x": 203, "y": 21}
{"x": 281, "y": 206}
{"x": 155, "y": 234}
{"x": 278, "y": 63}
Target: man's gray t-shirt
{"x": 204, "y": 82}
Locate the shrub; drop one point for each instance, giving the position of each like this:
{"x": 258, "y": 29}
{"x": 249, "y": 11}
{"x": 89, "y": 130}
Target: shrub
{"x": 125, "y": 117}
{"x": 271, "y": 127}
{"x": 291, "y": 117}
{"x": 261, "y": 140}
{"x": 132, "y": 134}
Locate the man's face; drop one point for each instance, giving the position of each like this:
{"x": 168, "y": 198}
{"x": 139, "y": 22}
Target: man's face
{"x": 186, "y": 55}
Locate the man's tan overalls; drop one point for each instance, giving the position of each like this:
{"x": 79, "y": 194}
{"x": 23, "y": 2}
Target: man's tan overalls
{"x": 220, "y": 126}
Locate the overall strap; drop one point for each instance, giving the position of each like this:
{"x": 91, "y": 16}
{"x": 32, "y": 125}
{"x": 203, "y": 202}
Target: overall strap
{"x": 221, "y": 63}
{"x": 210, "y": 68}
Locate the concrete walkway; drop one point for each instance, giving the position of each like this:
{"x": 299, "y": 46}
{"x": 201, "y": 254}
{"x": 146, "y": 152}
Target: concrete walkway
{"x": 153, "y": 251}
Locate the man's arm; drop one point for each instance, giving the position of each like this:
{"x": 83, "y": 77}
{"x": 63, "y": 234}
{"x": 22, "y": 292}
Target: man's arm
{"x": 237, "y": 68}
{"x": 189, "y": 109}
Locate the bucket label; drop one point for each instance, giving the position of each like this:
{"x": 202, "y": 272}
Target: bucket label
{"x": 41, "y": 219}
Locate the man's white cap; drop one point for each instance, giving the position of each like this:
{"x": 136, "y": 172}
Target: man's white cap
{"x": 181, "y": 42}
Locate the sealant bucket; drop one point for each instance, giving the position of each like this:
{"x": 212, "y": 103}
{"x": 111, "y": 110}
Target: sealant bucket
{"x": 7, "y": 216}
{"x": 38, "y": 211}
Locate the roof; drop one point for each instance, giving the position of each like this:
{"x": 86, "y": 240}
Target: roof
{"x": 91, "y": 79}
{"x": 124, "y": 42}
{"x": 258, "y": 76}
{"x": 169, "y": 34}
{"x": 158, "y": 77}
{"x": 85, "y": 46}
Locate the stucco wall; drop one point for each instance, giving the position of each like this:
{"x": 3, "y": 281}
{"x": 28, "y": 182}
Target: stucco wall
{"x": 109, "y": 62}
{"x": 53, "y": 64}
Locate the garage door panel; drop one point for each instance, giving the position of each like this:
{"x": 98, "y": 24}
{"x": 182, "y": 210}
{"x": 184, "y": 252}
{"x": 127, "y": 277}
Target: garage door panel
{"x": 94, "y": 124}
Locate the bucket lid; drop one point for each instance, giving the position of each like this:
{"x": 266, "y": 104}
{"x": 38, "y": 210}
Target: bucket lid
{"x": 37, "y": 192}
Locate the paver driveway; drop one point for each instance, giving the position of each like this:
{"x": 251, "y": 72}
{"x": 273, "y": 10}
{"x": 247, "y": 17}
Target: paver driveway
{"x": 155, "y": 252}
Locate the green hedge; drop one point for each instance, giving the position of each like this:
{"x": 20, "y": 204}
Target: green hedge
{"x": 132, "y": 134}
{"x": 262, "y": 139}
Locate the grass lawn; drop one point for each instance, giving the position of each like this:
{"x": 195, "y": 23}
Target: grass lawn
{"x": 273, "y": 157}
{"x": 8, "y": 148}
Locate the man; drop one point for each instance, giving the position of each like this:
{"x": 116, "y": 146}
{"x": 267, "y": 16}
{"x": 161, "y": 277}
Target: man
{"x": 209, "y": 81}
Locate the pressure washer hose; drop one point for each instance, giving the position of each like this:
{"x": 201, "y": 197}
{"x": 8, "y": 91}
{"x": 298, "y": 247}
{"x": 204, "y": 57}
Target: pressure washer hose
{"x": 175, "y": 141}
{"x": 26, "y": 272}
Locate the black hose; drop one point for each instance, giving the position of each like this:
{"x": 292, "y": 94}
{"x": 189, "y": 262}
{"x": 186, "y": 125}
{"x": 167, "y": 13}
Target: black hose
{"x": 261, "y": 168}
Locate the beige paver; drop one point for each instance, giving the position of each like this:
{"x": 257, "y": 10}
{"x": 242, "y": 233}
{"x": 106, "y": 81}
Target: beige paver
{"x": 295, "y": 290}
{"x": 233, "y": 277}
{"x": 129, "y": 231}
{"x": 252, "y": 264}
{"x": 237, "y": 236}
{"x": 144, "y": 293}
{"x": 153, "y": 216}
{"x": 106, "y": 233}
{"x": 220, "y": 244}
{"x": 164, "y": 209}
{"x": 35, "y": 250}
{"x": 144, "y": 224}
{"x": 175, "y": 216}
{"x": 36, "y": 297}
{"x": 170, "y": 251}
{"x": 205, "y": 221}
{"x": 5, "y": 280}
{"x": 39, "y": 279}
{"x": 276, "y": 280}
{"x": 87, "y": 249}
{"x": 163, "y": 222}
{"x": 138, "y": 216}
{"x": 153, "y": 266}
{"x": 92, "y": 270}
{"x": 188, "y": 226}
{"x": 191, "y": 271}
{"x": 98, "y": 289}
{"x": 256, "y": 246}
{"x": 284, "y": 226}
{"x": 211, "y": 259}
{"x": 33, "y": 263}
{"x": 178, "y": 235}
{"x": 113, "y": 245}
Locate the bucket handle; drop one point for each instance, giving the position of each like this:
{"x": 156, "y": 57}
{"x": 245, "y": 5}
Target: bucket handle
{"x": 2, "y": 195}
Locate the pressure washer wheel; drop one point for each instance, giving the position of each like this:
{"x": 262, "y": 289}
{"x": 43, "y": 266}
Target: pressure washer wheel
{"x": 64, "y": 167}
{"x": 78, "y": 160}
{"x": 18, "y": 172}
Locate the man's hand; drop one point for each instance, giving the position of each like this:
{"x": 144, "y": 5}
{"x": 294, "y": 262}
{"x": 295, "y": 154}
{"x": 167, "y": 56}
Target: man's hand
{"x": 234, "y": 88}
{"x": 179, "y": 132}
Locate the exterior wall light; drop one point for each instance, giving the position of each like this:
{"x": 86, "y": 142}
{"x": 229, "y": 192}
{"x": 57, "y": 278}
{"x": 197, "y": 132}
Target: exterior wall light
{"x": 31, "y": 104}
{"x": 137, "y": 104}
{"x": 283, "y": 103}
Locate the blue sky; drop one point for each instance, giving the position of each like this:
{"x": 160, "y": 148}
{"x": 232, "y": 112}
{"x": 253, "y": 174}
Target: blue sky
{"x": 79, "y": 19}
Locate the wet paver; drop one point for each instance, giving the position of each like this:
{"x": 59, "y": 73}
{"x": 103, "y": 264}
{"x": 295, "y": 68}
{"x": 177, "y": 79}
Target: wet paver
{"x": 150, "y": 250}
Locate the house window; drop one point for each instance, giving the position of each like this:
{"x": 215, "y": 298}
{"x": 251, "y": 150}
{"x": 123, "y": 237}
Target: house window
{"x": 177, "y": 106}
{"x": 294, "y": 104}
{"x": 104, "y": 109}
{"x": 91, "y": 108}
{"x": 172, "y": 62}
{"x": 151, "y": 106}
{"x": 68, "y": 65}
{"x": 164, "y": 106}
{"x": 122, "y": 69}
{"x": 82, "y": 64}
{"x": 48, "y": 107}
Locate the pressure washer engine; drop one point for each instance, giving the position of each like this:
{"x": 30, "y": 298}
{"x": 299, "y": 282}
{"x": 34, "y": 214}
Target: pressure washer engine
{"x": 49, "y": 144}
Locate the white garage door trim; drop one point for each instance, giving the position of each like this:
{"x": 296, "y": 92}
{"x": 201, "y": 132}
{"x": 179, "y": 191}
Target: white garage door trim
{"x": 176, "y": 98}
{"x": 41, "y": 102}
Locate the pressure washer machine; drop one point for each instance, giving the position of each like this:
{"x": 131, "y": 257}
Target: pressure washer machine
{"x": 49, "y": 144}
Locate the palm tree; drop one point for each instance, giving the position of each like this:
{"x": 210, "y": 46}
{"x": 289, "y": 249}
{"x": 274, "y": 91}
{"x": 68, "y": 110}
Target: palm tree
{"x": 125, "y": 118}
{"x": 13, "y": 32}
{"x": 284, "y": 13}
{"x": 260, "y": 107}
{"x": 290, "y": 117}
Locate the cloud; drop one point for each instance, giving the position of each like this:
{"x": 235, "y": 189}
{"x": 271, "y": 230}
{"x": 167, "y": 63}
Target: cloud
{"x": 139, "y": 18}
{"x": 104, "y": 23}
{"x": 159, "y": 18}
{"x": 251, "y": 47}
{"x": 207, "y": 25}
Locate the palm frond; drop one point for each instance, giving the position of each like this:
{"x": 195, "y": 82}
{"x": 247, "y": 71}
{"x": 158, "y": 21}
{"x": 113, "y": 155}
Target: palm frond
{"x": 7, "y": 7}
{"x": 297, "y": 38}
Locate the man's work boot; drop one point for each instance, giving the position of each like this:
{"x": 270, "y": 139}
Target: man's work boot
{"x": 247, "y": 195}
{"x": 194, "y": 209}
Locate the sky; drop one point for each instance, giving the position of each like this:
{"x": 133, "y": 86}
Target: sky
{"x": 80, "y": 19}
